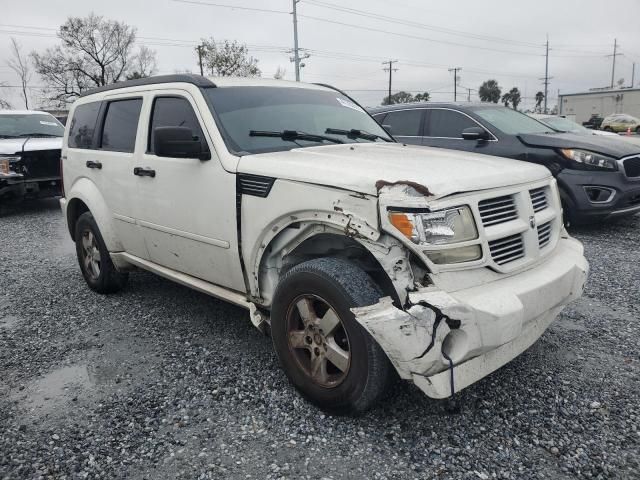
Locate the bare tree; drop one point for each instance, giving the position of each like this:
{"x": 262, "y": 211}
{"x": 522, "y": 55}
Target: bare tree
{"x": 280, "y": 73}
{"x": 143, "y": 63}
{"x": 95, "y": 51}
{"x": 20, "y": 64}
{"x": 229, "y": 59}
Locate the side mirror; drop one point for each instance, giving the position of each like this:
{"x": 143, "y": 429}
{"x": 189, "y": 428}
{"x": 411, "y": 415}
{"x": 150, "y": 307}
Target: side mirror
{"x": 388, "y": 129}
{"x": 475, "y": 133}
{"x": 178, "y": 142}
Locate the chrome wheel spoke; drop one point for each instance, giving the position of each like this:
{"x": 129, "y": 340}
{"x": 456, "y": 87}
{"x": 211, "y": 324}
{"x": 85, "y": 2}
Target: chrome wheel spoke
{"x": 306, "y": 311}
{"x": 297, "y": 339}
{"x": 86, "y": 243}
{"x": 96, "y": 255}
{"x": 328, "y": 323}
{"x": 337, "y": 356}
{"x": 319, "y": 369}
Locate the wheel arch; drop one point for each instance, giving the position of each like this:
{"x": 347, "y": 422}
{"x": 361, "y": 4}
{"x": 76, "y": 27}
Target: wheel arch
{"x": 84, "y": 196}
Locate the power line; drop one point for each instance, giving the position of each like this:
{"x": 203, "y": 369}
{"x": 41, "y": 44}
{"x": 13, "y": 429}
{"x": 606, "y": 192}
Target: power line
{"x": 234, "y": 7}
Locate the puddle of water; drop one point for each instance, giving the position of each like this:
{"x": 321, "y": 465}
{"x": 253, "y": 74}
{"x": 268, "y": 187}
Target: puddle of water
{"x": 59, "y": 386}
{"x": 8, "y": 322}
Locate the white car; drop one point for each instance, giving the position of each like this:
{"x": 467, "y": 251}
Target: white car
{"x": 30, "y": 144}
{"x": 364, "y": 258}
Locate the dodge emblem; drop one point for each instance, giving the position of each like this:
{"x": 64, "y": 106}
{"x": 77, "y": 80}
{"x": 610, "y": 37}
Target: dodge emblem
{"x": 532, "y": 221}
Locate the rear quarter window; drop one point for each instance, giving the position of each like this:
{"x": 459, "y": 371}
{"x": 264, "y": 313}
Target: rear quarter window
{"x": 83, "y": 125}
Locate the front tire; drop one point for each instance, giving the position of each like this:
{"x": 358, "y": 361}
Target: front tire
{"x": 95, "y": 263}
{"x": 326, "y": 354}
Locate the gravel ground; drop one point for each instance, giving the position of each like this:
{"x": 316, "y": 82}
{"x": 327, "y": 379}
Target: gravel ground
{"x": 161, "y": 382}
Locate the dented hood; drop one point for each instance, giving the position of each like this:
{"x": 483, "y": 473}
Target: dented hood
{"x": 359, "y": 167}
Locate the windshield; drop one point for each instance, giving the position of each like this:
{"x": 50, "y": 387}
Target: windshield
{"x": 30, "y": 125}
{"x": 564, "y": 125}
{"x": 511, "y": 122}
{"x": 250, "y": 118}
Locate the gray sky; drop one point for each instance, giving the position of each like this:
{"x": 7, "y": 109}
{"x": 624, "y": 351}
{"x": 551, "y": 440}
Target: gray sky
{"x": 501, "y": 39}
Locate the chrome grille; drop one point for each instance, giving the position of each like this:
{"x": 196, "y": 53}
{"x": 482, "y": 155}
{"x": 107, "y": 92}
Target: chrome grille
{"x": 538, "y": 198}
{"x": 544, "y": 234}
{"x": 497, "y": 210}
{"x": 507, "y": 249}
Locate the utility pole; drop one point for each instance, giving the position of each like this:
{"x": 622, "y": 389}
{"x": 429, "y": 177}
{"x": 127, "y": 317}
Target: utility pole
{"x": 455, "y": 82}
{"x": 296, "y": 52}
{"x": 633, "y": 74}
{"x": 546, "y": 75}
{"x": 613, "y": 64}
{"x": 390, "y": 69}
{"x": 199, "y": 49}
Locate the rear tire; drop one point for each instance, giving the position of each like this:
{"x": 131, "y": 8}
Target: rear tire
{"x": 93, "y": 257}
{"x": 608, "y": 129}
{"x": 326, "y": 354}
{"x": 638, "y": 130}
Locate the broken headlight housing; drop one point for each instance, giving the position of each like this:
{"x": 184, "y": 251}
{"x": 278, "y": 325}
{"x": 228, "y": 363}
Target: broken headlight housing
{"x": 590, "y": 160}
{"x": 440, "y": 228}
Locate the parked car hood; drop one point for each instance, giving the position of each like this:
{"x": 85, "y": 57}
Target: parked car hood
{"x": 9, "y": 146}
{"x": 358, "y": 167}
{"x": 594, "y": 143}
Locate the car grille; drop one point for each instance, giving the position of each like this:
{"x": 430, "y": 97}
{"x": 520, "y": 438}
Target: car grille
{"x": 520, "y": 226}
{"x": 497, "y": 210}
{"x": 632, "y": 167}
{"x": 538, "y": 198}
{"x": 544, "y": 234}
{"x": 507, "y": 249}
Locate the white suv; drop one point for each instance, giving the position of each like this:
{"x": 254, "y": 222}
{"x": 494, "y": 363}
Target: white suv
{"x": 361, "y": 256}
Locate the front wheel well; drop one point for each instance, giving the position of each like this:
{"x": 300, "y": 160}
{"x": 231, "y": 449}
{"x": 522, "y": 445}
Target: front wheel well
{"x": 331, "y": 245}
{"x": 75, "y": 208}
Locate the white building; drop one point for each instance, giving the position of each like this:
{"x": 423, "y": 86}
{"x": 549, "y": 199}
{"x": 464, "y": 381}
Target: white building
{"x": 601, "y": 101}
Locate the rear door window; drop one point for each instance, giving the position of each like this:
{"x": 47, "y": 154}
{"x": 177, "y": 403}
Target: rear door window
{"x": 121, "y": 125}
{"x": 173, "y": 112}
{"x": 83, "y": 125}
{"x": 404, "y": 123}
{"x": 447, "y": 123}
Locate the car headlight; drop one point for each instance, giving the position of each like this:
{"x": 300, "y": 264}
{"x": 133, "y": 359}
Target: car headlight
{"x": 5, "y": 164}
{"x": 442, "y": 227}
{"x": 590, "y": 160}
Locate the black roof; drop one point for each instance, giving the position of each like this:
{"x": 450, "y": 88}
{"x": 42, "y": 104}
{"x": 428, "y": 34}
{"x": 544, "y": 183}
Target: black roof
{"x": 404, "y": 106}
{"x": 197, "y": 80}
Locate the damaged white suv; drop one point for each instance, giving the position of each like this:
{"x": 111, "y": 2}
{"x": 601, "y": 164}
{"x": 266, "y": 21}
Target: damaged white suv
{"x": 363, "y": 257}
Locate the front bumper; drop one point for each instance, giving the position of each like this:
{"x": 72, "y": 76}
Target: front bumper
{"x": 19, "y": 187}
{"x": 479, "y": 328}
{"x": 626, "y": 200}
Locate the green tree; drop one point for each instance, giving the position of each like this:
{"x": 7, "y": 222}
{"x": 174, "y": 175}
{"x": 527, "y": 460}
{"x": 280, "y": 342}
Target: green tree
{"x": 490, "y": 91}
{"x": 227, "y": 59}
{"x": 400, "y": 97}
{"x": 422, "y": 97}
{"x": 539, "y": 100}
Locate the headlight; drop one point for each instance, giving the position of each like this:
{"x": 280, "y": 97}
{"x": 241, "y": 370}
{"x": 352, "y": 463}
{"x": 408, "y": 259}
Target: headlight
{"x": 591, "y": 160}
{"x": 441, "y": 227}
{"x": 5, "y": 165}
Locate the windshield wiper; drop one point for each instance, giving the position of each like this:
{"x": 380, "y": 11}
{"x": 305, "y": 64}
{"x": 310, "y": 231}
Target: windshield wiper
{"x": 34, "y": 134}
{"x": 355, "y": 133}
{"x": 293, "y": 135}
{"x": 8, "y": 136}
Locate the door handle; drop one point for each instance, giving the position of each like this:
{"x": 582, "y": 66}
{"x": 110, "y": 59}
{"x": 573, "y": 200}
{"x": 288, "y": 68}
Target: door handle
{"x": 92, "y": 164}
{"x": 144, "y": 172}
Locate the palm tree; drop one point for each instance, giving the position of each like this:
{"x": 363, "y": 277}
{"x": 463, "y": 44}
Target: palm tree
{"x": 506, "y": 99}
{"x": 539, "y": 100}
{"x": 490, "y": 91}
{"x": 515, "y": 97}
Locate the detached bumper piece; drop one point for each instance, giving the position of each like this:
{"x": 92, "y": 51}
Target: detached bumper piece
{"x": 478, "y": 329}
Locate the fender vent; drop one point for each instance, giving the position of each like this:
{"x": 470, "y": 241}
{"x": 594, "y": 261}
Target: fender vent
{"x": 255, "y": 185}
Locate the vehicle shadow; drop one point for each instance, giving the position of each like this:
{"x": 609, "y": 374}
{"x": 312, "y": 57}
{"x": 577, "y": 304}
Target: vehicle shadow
{"x": 8, "y": 209}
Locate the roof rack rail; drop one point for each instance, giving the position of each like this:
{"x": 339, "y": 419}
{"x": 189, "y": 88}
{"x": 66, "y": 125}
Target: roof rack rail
{"x": 197, "y": 80}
